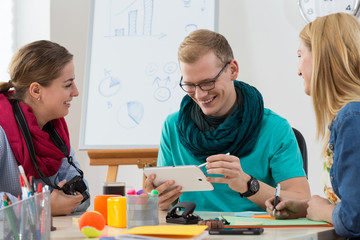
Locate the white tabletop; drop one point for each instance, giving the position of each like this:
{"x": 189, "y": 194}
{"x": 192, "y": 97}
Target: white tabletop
{"x": 67, "y": 228}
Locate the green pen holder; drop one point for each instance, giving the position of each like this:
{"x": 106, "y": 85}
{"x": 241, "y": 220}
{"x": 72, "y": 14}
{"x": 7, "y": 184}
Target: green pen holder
{"x": 27, "y": 219}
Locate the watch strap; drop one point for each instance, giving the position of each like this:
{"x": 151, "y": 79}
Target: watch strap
{"x": 250, "y": 192}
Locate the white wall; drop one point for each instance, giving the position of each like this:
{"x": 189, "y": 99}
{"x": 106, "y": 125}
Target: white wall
{"x": 6, "y": 38}
{"x": 32, "y": 21}
{"x": 264, "y": 37}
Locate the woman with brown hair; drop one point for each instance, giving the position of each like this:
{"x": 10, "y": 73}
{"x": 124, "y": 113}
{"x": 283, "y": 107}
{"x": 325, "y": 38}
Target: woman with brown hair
{"x": 42, "y": 78}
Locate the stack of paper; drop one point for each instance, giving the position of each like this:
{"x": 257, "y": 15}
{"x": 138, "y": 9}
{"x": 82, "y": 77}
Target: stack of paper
{"x": 165, "y": 232}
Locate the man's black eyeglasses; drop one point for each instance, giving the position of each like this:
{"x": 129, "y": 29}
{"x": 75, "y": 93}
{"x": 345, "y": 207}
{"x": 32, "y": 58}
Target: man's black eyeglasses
{"x": 205, "y": 86}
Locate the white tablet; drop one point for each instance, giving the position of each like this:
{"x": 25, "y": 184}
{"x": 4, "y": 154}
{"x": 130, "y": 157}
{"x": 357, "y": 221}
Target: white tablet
{"x": 190, "y": 177}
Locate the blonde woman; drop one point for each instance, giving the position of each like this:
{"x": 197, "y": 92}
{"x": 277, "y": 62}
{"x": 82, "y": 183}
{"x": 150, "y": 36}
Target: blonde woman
{"x": 329, "y": 62}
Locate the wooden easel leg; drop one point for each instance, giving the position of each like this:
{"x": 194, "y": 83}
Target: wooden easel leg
{"x": 112, "y": 173}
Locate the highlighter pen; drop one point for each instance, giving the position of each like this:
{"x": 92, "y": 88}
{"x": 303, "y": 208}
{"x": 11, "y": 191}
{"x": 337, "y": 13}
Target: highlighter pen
{"x": 277, "y": 195}
{"x": 205, "y": 163}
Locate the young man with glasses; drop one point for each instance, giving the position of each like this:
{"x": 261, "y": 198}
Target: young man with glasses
{"x": 222, "y": 121}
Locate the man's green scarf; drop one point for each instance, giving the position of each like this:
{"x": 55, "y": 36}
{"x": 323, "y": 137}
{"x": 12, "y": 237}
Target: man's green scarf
{"x": 237, "y": 135}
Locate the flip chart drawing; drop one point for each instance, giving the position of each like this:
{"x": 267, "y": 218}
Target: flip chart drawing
{"x": 132, "y": 73}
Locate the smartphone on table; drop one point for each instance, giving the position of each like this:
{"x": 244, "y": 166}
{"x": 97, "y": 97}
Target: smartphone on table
{"x": 237, "y": 231}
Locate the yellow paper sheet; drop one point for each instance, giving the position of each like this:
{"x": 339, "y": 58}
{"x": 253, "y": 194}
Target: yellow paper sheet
{"x": 168, "y": 231}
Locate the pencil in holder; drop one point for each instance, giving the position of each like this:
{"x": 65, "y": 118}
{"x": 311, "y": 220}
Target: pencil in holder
{"x": 27, "y": 219}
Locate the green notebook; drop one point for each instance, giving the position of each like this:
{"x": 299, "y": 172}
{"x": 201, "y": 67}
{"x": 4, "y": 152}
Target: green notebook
{"x": 246, "y": 221}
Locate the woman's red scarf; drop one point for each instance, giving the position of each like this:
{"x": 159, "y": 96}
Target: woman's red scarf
{"x": 49, "y": 157}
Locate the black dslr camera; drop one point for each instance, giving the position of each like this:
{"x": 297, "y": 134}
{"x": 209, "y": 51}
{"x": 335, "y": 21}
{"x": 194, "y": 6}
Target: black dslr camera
{"x": 76, "y": 184}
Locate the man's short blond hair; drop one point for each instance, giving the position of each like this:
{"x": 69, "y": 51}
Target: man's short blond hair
{"x": 200, "y": 42}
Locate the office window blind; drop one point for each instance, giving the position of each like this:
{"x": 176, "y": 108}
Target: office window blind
{"x": 6, "y": 37}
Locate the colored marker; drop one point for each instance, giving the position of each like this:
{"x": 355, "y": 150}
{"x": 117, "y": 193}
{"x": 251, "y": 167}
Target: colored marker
{"x": 131, "y": 192}
{"x": 23, "y": 188}
{"x": 140, "y": 192}
{"x": 11, "y": 216}
{"x": 32, "y": 185}
{"x": 154, "y": 192}
{"x": 39, "y": 188}
{"x": 22, "y": 172}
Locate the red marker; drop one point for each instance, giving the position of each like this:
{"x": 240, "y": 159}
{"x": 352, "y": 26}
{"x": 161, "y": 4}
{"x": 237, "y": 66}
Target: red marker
{"x": 23, "y": 188}
{"x": 39, "y": 188}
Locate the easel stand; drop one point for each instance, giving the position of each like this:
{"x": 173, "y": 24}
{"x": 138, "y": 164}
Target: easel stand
{"x": 115, "y": 157}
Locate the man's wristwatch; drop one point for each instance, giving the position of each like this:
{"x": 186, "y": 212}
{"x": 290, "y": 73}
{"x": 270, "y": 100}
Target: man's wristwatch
{"x": 253, "y": 187}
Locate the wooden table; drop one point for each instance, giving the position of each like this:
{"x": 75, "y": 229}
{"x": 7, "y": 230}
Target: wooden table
{"x": 68, "y": 229}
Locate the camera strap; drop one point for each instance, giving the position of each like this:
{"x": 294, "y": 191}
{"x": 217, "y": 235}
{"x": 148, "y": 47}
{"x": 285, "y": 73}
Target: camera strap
{"x": 59, "y": 143}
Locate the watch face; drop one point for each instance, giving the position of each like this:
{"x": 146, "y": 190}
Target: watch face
{"x": 254, "y": 185}
{"x": 312, "y": 9}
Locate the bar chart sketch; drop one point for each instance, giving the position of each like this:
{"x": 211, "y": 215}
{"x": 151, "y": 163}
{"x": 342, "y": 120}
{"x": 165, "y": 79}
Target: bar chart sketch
{"x": 132, "y": 72}
{"x": 128, "y": 21}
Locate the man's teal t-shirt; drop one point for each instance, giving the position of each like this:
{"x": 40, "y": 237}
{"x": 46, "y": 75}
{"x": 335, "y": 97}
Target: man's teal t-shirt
{"x": 275, "y": 158}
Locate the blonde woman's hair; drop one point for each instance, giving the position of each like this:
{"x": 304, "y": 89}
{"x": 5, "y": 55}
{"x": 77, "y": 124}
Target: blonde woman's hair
{"x": 200, "y": 42}
{"x": 40, "y": 61}
{"x": 334, "y": 41}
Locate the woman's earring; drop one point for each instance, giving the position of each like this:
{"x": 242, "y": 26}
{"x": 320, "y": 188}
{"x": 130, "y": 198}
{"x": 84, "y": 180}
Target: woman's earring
{"x": 38, "y": 99}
